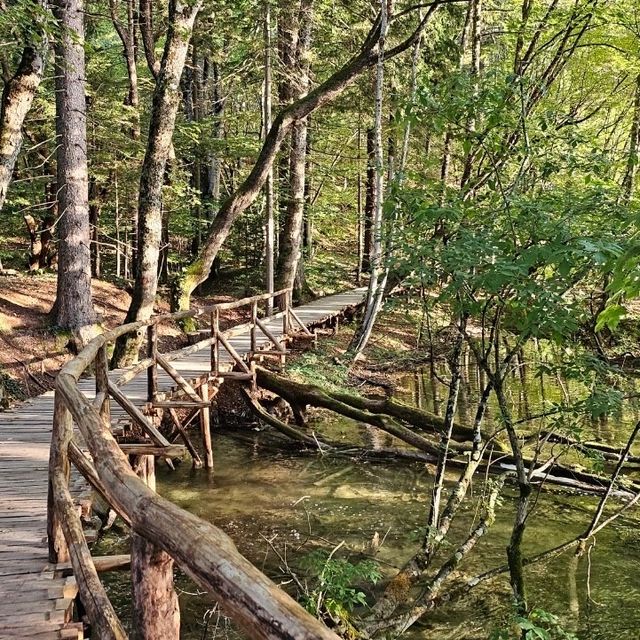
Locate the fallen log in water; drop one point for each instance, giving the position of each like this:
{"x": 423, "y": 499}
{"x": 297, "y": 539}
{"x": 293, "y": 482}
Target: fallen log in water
{"x": 377, "y": 413}
{"x": 367, "y": 410}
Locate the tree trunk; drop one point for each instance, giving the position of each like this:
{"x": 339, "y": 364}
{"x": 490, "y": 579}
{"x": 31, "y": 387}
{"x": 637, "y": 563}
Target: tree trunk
{"x": 128, "y": 38}
{"x": 73, "y": 308}
{"x": 145, "y": 20}
{"x": 35, "y": 244}
{"x": 291, "y": 238}
{"x": 166, "y": 99}
{"x": 377, "y": 282}
{"x": 290, "y": 268}
{"x": 269, "y": 223}
{"x": 475, "y": 9}
{"x": 369, "y": 201}
{"x": 96, "y": 197}
{"x": 212, "y": 73}
{"x": 17, "y": 98}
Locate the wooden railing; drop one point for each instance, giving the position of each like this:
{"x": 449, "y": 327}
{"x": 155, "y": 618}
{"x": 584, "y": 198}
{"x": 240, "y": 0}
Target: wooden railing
{"x": 161, "y": 531}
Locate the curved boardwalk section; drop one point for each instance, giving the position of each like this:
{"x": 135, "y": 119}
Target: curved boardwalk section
{"x": 36, "y": 601}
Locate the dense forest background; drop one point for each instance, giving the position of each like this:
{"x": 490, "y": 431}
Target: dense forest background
{"x": 478, "y": 158}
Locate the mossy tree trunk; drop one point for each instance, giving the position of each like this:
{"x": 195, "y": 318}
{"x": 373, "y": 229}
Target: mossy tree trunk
{"x": 73, "y": 308}
{"x": 17, "y": 98}
{"x": 166, "y": 99}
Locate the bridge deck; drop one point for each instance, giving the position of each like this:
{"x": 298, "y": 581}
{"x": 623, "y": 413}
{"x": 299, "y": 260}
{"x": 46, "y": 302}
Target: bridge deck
{"x": 35, "y": 600}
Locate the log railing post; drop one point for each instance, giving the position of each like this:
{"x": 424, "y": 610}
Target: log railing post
{"x": 285, "y": 313}
{"x": 268, "y": 305}
{"x": 156, "y": 612}
{"x": 152, "y": 371}
{"x": 205, "y": 426}
{"x": 102, "y": 382}
{"x": 215, "y": 350}
{"x": 61, "y": 436}
{"x": 254, "y": 318}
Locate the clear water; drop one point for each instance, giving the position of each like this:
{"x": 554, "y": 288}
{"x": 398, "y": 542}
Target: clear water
{"x": 272, "y": 501}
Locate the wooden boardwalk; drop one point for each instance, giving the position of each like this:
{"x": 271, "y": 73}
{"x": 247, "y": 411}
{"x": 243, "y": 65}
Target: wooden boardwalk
{"x": 36, "y": 601}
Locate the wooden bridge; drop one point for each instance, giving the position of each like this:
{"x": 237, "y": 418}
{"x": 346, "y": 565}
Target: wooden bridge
{"x": 45, "y": 563}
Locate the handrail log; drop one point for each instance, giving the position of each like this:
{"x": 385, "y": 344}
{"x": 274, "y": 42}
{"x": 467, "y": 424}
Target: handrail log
{"x": 174, "y": 374}
{"x": 88, "y": 471}
{"x": 201, "y": 550}
{"x": 94, "y": 598}
{"x": 267, "y": 332}
{"x": 138, "y": 417}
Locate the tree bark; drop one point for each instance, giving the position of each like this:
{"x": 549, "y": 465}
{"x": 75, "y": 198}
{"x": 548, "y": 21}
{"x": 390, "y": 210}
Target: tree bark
{"x": 629, "y": 182}
{"x": 96, "y": 199}
{"x": 369, "y": 201}
{"x": 73, "y": 308}
{"x": 377, "y": 281}
{"x": 145, "y": 20}
{"x": 127, "y": 35}
{"x": 166, "y": 99}
{"x": 17, "y": 98}
{"x": 269, "y": 223}
{"x": 290, "y": 256}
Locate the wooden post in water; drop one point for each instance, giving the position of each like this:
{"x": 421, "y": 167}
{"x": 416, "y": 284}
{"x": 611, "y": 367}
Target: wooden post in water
{"x": 156, "y": 612}
{"x": 152, "y": 371}
{"x": 205, "y": 426}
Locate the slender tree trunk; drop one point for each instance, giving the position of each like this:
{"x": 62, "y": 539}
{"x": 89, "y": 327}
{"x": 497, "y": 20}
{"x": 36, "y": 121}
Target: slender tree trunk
{"x": 96, "y": 195}
{"x": 73, "y": 308}
{"x": 127, "y": 35}
{"x": 291, "y": 237}
{"x": 476, "y": 28}
{"x": 287, "y": 34}
{"x": 217, "y": 110}
{"x": 377, "y": 282}
{"x": 17, "y": 97}
{"x": 145, "y": 20}
{"x": 166, "y": 99}
{"x": 269, "y": 224}
{"x": 360, "y": 210}
{"x": 290, "y": 257}
{"x": 35, "y": 244}
{"x": 369, "y": 201}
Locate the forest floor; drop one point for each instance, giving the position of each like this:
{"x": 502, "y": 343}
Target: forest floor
{"x": 393, "y": 350}
{"x": 32, "y": 350}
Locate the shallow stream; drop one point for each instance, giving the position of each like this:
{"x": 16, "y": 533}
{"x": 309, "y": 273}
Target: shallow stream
{"x": 278, "y": 507}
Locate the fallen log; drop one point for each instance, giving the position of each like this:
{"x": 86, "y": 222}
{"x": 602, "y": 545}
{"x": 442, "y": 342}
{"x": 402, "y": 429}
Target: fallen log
{"x": 373, "y": 412}
{"x": 605, "y": 451}
{"x": 497, "y": 460}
